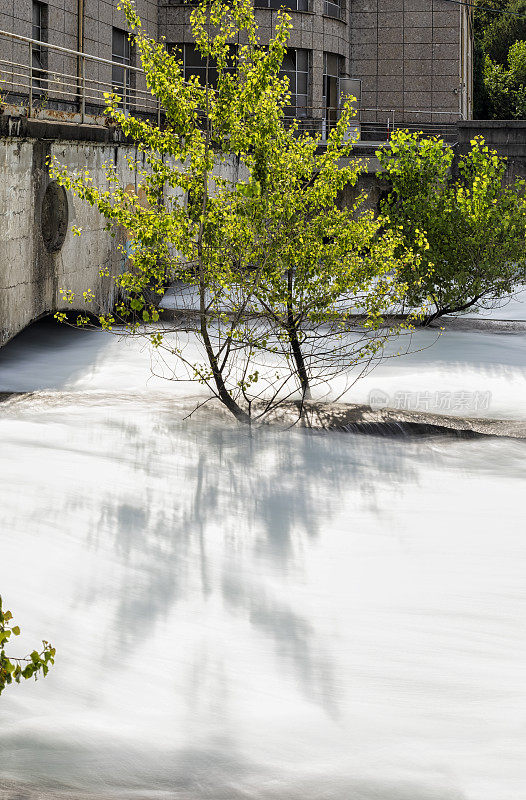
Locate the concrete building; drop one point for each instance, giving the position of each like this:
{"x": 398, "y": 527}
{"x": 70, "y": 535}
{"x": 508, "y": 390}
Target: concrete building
{"x": 413, "y": 56}
{"x": 410, "y": 60}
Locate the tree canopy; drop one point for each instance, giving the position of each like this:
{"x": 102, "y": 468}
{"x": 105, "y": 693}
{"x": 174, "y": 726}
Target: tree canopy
{"x": 499, "y": 31}
{"x": 506, "y": 86}
{"x": 243, "y": 206}
{"x": 474, "y": 225}
{"x": 500, "y": 44}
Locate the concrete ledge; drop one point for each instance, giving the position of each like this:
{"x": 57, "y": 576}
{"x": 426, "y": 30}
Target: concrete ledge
{"x": 392, "y": 422}
{"x": 491, "y": 124}
{"x": 22, "y": 127}
{"x": 344, "y": 417}
{"x": 508, "y": 137}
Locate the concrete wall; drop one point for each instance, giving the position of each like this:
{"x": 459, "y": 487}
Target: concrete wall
{"x": 507, "y": 137}
{"x": 30, "y": 275}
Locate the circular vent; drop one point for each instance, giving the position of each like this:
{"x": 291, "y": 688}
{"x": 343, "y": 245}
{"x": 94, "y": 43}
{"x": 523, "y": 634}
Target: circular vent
{"x": 54, "y": 218}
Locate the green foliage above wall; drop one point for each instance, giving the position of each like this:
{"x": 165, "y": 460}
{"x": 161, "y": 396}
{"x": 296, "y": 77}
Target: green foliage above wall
{"x": 500, "y": 47}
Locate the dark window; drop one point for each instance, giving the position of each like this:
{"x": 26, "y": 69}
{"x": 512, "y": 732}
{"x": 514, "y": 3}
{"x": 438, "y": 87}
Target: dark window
{"x": 332, "y": 69}
{"x": 293, "y": 5}
{"x": 39, "y": 56}
{"x": 194, "y": 64}
{"x": 39, "y": 21}
{"x": 121, "y": 53}
{"x": 296, "y": 66}
{"x": 333, "y": 8}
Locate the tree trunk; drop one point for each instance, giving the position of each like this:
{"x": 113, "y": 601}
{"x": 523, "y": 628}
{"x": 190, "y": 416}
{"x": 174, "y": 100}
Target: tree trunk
{"x": 222, "y": 392}
{"x": 442, "y": 311}
{"x": 292, "y": 331}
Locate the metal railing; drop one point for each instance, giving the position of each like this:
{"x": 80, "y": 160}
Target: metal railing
{"x": 375, "y": 124}
{"x": 379, "y": 123}
{"x": 47, "y": 80}
{"x": 68, "y": 81}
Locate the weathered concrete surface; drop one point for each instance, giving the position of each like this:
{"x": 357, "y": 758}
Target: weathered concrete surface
{"x": 30, "y": 275}
{"x": 57, "y": 126}
{"x": 507, "y": 137}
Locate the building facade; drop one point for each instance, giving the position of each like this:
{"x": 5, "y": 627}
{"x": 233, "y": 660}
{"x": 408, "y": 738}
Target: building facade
{"x": 414, "y": 56}
{"x": 408, "y": 61}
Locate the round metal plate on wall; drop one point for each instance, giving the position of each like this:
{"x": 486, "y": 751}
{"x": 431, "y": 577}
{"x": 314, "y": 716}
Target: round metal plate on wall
{"x": 54, "y": 217}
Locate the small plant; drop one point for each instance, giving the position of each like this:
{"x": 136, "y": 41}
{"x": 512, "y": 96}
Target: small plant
{"x": 13, "y": 670}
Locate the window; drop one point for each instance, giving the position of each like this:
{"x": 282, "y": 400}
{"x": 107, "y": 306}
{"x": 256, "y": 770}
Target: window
{"x": 194, "y": 64}
{"x": 332, "y": 69}
{"x": 121, "y": 53}
{"x": 296, "y": 66}
{"x": 333, "y": 8}
{"x": 293, "y": 5}
{"x": 39, "y": 32}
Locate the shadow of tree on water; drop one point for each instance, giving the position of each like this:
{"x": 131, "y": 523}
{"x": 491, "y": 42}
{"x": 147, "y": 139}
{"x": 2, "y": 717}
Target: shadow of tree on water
{"x": 219, "y": 510}
{"x": 199, "y": 514}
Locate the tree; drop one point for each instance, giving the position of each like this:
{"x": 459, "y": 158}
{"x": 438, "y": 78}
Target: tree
{"x": 498, "y": 26}
{"x": 506, "y": 88}
{"x": 474, "y": 226}
{"x": 15, "y": 669}
{"x": 499, "y": 31}
{"x": 243, "y": 207}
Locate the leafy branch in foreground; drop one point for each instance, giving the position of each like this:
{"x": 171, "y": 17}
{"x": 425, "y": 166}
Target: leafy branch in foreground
{"x": 292, "y": 290}
{"x": 15, "y": 669}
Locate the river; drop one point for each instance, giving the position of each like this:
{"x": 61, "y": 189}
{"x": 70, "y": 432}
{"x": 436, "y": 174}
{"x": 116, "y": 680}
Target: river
{"x": 323, "y": 616}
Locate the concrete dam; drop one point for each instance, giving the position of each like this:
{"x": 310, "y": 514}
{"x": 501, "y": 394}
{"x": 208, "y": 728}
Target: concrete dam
{"x": 39, "y": 255}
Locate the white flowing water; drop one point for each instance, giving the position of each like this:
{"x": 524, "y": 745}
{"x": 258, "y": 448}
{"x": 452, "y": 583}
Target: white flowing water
{"x": 291, "y": 615}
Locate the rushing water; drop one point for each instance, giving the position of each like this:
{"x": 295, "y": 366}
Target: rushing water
{"x": 291, "y": 615}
